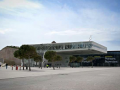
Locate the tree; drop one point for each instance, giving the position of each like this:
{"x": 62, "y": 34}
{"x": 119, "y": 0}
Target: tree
{"x": 90, "y": 58}
{"x": 72, "y": 59}
{"x": 49, "y": 55}
{"x": 16, "y": 54}
{"x": 38, "y": 58}
{"x": 28, "y": 52}
{"x": 19, "y": 54}
{"x": 80, "y": 59}
{"x": 58, "y": 58}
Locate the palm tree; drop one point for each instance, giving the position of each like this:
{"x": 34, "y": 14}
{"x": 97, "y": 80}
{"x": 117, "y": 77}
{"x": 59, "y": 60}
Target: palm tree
{"x": 90, "y": 58}
{"x": 80, "y": 59}
{"x": 72, "y": 59}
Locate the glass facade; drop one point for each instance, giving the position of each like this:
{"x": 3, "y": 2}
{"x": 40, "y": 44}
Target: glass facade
{"x": 112, "y": 58}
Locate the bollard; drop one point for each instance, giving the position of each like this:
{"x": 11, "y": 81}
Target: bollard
{"x": 26, "y": 67}
{"x": 20, "y": 67}
{"x": 16, "y": 67}
{"x": 12, "y": 67}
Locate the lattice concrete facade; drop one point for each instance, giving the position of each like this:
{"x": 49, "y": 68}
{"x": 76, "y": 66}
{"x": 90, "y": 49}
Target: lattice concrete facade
{"x": 70, "y": 48}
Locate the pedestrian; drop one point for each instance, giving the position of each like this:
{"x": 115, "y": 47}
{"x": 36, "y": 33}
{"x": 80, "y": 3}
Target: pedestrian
{"x": 26, "y": 66}
{"x": 0, "y": 64}
{"x": 6, "y": 65}
{"x": 47, "y": 65}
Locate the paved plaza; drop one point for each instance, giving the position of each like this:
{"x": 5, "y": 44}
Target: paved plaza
{"x": 9, "y": 73}
{"x": 86, "y": 78}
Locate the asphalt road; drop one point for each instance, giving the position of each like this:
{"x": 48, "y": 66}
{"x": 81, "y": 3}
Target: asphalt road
{"x": 108, "y": 79}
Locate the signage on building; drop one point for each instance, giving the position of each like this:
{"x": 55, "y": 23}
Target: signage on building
{"x": 108, "y": 56}
{"x": 97, "y": 56}
{"x": 110, "y": 60}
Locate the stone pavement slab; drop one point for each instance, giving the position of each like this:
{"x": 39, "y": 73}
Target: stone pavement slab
{"x": 69, "y": 79}
{"x": 35, "y": 71}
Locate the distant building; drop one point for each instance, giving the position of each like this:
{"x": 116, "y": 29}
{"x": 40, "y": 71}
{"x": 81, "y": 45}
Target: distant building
{"x": 102, "y": 57}
{"x": 7, "y": 54}
{"x": 65, "y": 50}
{"x": 1, "y": 60}
{"x": 111, "y": 58}
{"x": 53, "y": 42}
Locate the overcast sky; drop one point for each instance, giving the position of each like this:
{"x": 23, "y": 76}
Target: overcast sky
{"x": 44, "y": 21}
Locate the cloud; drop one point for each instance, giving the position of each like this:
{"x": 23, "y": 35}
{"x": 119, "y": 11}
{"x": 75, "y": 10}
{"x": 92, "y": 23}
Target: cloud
{"x": 39, "y": 23}
{"x": 5, "y": 31}
{"x": 97, "y": 34}
{"x": 10, "y": 4}
{"x": 19, "y": 7}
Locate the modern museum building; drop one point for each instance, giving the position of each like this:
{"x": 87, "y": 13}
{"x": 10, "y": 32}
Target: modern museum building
{"x": 102, "y": 57}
